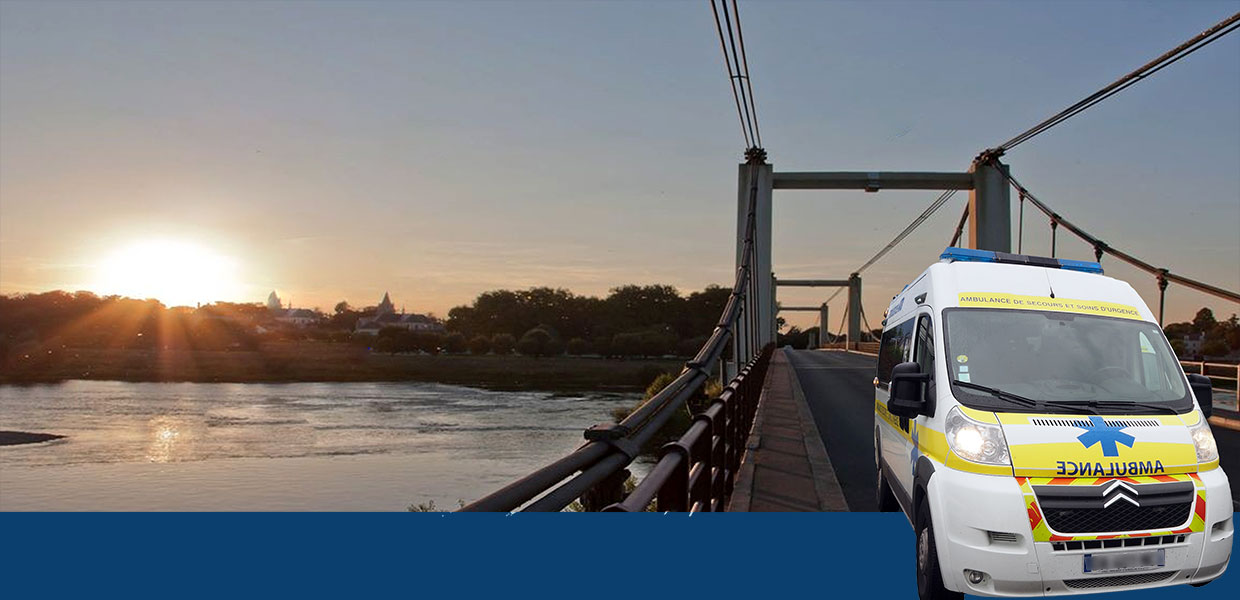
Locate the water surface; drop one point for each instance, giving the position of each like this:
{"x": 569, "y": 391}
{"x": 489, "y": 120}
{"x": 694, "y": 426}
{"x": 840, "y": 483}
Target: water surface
{"x": 299, "y": 446}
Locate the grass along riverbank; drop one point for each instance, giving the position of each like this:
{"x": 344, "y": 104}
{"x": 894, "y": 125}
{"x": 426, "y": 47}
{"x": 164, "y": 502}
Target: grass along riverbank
{"x": 322, "y": 361}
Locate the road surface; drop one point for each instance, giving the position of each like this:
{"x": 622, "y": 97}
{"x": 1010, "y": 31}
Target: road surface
{"x": 839, "y": 389}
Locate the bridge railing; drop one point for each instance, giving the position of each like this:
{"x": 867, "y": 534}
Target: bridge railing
{"x": 1225, "y": 377}
{"x": 696, "y": 472}
{"x": 708, "y": 453}
{"x": 865, "y": 347}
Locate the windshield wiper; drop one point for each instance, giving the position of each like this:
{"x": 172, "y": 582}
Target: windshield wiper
{"x": 1151, "y": 406}
{"x": 1026, "y": 402}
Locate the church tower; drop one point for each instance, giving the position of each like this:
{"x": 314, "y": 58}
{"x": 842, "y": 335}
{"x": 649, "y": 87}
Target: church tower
{"x": 273, "y": 302}
{"x": 385, "y": 306}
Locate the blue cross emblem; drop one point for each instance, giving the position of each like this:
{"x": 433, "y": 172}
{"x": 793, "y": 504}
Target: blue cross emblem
{"x": 1098, "y": 432}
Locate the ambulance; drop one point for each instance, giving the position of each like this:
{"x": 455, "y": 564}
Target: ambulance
{"x": 1034, "y": 425}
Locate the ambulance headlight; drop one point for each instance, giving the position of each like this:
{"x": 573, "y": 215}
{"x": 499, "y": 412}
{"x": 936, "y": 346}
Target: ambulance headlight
{"x": 976, "y": 441}
{"x": 1203, "y": 439}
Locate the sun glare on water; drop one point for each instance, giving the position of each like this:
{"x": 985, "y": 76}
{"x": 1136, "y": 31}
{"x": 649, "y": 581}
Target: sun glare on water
{"x": 173, "y": 272}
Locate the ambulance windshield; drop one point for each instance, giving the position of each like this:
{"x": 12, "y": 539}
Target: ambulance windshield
{"x": 1110, "y": 365}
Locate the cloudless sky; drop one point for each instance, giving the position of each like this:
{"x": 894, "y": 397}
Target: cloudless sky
{"x": 438, "y": 150}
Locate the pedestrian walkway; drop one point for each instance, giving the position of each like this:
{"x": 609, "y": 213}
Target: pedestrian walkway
{"x": 785, "y": 467}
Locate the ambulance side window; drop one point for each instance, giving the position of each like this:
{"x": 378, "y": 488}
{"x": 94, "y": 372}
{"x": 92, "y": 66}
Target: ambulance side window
{"x": 893, "y": 349}
{"x": 924, "y": 352}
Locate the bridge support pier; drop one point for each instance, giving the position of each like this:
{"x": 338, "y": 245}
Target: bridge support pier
{"x": 854, "y": 310}
{"x": 990, "y": 208}
{"x": 762, "y": 318}
{"x": 824, "y": 328}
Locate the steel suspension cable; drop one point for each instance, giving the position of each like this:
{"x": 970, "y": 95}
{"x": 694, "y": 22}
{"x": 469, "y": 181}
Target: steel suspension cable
{"x": 753, "y": 104}
{"x": 868, "y": 330}
{"x": 930, "y": 210}
{"x": 1101, "y": 247}
{"x": 1169, "y": 58}
{"x": 727, "y": 63}
{"x": 739, "y": 76}
{"x": 1020, "y": 228}
{"x": 832, "y": 296}
{"x": 964, "y": 217}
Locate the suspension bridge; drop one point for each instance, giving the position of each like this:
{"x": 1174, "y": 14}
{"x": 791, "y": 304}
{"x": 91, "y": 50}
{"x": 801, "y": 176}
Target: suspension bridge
{"x": 791, "y": 429}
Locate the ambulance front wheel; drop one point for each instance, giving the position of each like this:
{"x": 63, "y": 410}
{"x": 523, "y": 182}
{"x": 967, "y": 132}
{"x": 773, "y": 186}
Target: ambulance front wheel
{"x": 929, "y": 575}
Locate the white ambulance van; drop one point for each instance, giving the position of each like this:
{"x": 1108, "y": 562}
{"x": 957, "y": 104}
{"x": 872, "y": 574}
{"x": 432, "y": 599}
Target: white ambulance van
{"x": 1033, "y": 424}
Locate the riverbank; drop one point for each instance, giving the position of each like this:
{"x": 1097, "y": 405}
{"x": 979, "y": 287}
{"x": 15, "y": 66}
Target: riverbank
{"x": 329, "y": 362}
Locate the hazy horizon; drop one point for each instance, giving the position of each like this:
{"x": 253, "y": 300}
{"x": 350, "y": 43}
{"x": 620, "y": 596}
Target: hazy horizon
{"x": 337, "y": 151}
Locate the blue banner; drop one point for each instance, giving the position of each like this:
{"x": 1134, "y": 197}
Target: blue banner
{"x": 446, "y": 555}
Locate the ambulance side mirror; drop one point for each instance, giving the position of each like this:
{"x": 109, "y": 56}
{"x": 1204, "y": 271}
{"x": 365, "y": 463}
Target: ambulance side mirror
{"x": 1204, "y": 391}
{"x": 907, "y": 390}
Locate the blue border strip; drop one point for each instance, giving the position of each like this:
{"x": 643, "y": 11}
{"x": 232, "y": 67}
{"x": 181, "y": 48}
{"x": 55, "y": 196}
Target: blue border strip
{"x": 277, "y": 555}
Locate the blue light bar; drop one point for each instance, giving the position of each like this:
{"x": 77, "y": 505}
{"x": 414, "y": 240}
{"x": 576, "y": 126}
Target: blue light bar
{"x": 971, "y": 255}
{"x": 1086, "y": 266}
{"x": 968, "y": 255}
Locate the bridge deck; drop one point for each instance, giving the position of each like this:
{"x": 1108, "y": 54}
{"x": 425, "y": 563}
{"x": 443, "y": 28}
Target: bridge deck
{"x": 785, "y": 467}
{"x": 839, "y": 390}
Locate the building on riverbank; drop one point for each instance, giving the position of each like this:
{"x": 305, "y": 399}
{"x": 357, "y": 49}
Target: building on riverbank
{"x": 295, "y": 317}
{"x": 385, "y": 316}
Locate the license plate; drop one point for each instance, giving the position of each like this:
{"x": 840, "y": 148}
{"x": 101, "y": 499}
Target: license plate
{"x": 1111, "y": 562}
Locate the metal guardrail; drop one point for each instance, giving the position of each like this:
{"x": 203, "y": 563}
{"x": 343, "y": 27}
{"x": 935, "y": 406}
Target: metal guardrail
{"x": 595, "y": 473}
{"x": 1226, "y": 395}
{"x": 696, "y": 472}
{"x": 866, "y": 347}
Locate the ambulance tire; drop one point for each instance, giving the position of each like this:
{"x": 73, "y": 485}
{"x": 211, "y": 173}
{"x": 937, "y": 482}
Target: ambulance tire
{"x": 929, "y": 575}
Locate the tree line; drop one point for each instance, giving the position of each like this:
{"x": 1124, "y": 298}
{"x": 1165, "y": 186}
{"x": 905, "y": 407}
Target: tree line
{"x": 632, "y": 320}
{"x": 54, "y": 321}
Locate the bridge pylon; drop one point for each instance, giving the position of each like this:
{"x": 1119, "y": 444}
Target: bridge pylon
{"x": 990, "y": 207}
{"x": 990, "y": 228}
{"x": 757, "y": 330}
{"x": 824, "y": 327}
{"x": 854, "y": 310}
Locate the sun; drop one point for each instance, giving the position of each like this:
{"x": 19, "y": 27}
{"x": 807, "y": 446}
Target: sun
{"x": 174, "y": 272}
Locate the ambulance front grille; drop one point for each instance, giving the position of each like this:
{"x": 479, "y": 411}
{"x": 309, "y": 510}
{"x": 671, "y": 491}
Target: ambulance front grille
{"x": 1119, "y": 517}
{"x": 1118, "y": 580}
{"x": 1115, "y": 507}
{"x": 1062, "y": 422}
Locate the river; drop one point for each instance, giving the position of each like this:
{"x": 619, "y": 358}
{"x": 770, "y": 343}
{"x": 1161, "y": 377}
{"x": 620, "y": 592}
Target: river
{"x": 298, "y": 446}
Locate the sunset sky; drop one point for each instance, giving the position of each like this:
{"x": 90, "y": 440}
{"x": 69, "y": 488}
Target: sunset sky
{"x": 335, "y": 151}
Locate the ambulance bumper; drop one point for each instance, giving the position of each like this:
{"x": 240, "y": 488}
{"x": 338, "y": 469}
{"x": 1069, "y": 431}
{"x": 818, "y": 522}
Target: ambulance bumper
{"x": 981, "y": 525}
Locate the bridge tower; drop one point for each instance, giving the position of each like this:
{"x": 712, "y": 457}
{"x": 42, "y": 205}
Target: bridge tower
{"x": 990, "y": 207}
{"x": 854, "y": 309}
{"x": 824, "y": 315}
{"x": 755, "y": 177}
{"x": 990, "y": 228}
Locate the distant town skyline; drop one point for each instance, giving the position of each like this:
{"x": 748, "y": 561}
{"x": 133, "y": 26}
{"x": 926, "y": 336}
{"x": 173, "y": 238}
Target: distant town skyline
{"x": 437, "y": 150}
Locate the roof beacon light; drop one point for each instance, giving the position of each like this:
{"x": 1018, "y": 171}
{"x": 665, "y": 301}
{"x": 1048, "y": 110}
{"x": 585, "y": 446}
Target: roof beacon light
{"x": 952, "y": 254}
